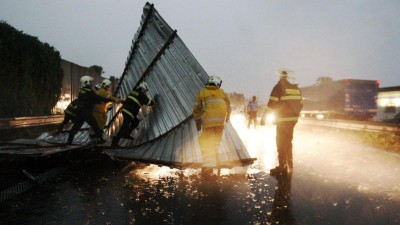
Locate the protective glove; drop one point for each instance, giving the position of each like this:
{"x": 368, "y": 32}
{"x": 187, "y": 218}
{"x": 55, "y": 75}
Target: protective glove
{"x": 109, "y": 107}
{"x": 198, "y": 125}
{"x": 156, "y": 98}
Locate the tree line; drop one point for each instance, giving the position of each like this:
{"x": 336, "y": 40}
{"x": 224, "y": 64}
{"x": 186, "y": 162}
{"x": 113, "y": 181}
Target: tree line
{"x": 30, "y": 74}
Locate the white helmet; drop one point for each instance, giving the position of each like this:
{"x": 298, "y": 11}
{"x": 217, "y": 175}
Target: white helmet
{"x": 215, "y": 80}
{"x": 86, "y": 81}
{"x": 286, "y": 74}
{"x": 106, "y": 83}
{"x": 143, "y": 86}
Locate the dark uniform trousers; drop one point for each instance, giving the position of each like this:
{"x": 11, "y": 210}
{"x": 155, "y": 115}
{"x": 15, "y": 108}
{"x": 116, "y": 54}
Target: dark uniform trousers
{"x": 127, "y": 126}
{"x": 83, "y": 115}
{"x": 284, "y": 137}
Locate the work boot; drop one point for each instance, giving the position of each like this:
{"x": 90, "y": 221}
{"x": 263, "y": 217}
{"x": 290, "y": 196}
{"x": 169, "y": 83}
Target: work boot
{"x": 114, "y": 142}
{"x": 129, "y": 137}
{"x": 277, "y": 171}
{"x": 100, "y": 140}
{"x": 70, "y": 139}
{"x": 206, "y": 172}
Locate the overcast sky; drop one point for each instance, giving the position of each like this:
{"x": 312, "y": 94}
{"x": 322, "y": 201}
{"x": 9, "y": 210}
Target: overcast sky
{"x": 243, "y": 41}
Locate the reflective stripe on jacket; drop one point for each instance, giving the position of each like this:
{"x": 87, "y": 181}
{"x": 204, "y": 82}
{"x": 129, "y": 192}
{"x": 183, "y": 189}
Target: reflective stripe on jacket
{"x": 286, "y": 101}
{"x": 212, "y": 106}
{"x": 71, "y": 108}
{"x": 134, "y": 102}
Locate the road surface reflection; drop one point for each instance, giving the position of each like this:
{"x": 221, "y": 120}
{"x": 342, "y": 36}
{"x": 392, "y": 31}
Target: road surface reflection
{"x": 335, "y": 181}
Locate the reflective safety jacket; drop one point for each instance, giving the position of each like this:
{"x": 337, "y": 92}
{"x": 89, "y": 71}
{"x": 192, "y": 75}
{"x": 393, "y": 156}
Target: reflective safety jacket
{"x": 102, "y": 106}
{"x": 286, "y": 101}
{"x": 71, "y": 108}
{"x": 135, "y": 100}
{"x": 212, "y": 106}
{"x": 87, "y": 98}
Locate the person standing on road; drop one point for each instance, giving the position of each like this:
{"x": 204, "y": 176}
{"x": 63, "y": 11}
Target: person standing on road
{"x": 252, "y": 110}
{"x": 85, "y": 102}
{"x": 130, "y": 109}
{"x": 286, "y": 103}
{"x": 211, "y": 112}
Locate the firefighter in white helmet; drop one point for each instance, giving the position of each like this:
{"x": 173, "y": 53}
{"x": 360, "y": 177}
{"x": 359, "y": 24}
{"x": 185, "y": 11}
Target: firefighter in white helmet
{"x": 100, "y": 109}
{"x": 130, "y": 109}
{"x": 286, "y": 103}
{"x": 84, "y": 104}
{"x": 211, "y": 112}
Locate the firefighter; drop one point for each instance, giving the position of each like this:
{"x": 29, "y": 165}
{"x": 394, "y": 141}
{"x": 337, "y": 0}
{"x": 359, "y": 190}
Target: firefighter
{"x": 211, "y": 112}
{"x": 85, "y": 102}
{"x": 130, "y": 109}
{"x": 100, "y": 109}
{"x": 252, "y": 110}
{"x": 69, "y": 115}
{"x": 285, "y": 102}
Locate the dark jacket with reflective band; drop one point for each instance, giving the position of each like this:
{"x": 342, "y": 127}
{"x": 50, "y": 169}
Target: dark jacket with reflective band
{"x": 212, "y": 106}
{"x": 87, "y": 98}
{"x": 134, "y": 102}
{"x": 71, "y": 108}
{"x": 286, "y": 101}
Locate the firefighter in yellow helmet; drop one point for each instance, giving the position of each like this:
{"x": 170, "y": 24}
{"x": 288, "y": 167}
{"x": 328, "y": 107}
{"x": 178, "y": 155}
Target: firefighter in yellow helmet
{"x": 211, "y": 111}
{"x": 100, "y": 109}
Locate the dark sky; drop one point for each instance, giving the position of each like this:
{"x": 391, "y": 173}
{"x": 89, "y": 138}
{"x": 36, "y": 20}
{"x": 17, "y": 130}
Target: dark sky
{"x": 244, "y": 42}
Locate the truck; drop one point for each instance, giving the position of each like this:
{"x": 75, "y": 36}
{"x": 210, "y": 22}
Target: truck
{"x": 349, "y": 99}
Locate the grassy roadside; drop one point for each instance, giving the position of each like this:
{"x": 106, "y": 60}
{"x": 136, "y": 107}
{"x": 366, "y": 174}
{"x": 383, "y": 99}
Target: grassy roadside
{"x": 381, "y": 140}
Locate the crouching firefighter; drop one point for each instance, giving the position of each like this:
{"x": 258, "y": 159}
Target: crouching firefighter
{"x": 211, "y": 111}
{"x": 130, "y": 109}
{"x": 84, "y": 104}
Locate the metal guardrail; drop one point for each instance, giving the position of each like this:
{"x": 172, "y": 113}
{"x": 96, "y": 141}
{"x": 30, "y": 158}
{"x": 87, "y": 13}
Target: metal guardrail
{"x": 354, "y": 125}
{"x": 19, "y": 122}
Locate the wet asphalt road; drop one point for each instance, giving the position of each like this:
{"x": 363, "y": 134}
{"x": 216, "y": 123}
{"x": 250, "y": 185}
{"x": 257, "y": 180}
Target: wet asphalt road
{"x": 335, "y": 181}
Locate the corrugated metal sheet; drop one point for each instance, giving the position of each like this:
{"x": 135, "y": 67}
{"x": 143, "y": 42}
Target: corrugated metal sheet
{"x": 167, "y": 134}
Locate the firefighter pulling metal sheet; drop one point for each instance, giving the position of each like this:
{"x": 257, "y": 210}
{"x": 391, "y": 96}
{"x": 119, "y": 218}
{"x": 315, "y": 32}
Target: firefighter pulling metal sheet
{"x": 211, "y": 111}
{"x": 130, "y": 109}
{"x": 100, "y": 109}
{"x": 85, "y": 102}
{"x": 285, "y": 102}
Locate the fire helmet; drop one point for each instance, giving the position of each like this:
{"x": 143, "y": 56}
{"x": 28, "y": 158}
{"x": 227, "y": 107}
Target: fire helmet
{"x": 286, "y": 74}
{"x": 214, "y": 80}
{"x": 143, "y": 86}
{"x": 86, "y": 81}
{"x": 106, "y": 83}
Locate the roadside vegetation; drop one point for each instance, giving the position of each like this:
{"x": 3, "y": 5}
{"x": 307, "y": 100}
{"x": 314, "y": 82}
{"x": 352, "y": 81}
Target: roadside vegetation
{"x": 30, "y": 74}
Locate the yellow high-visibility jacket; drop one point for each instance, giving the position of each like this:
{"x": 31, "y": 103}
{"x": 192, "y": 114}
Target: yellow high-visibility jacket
{"x": 212, "y": 106}
{"x": 102, "y": 107}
